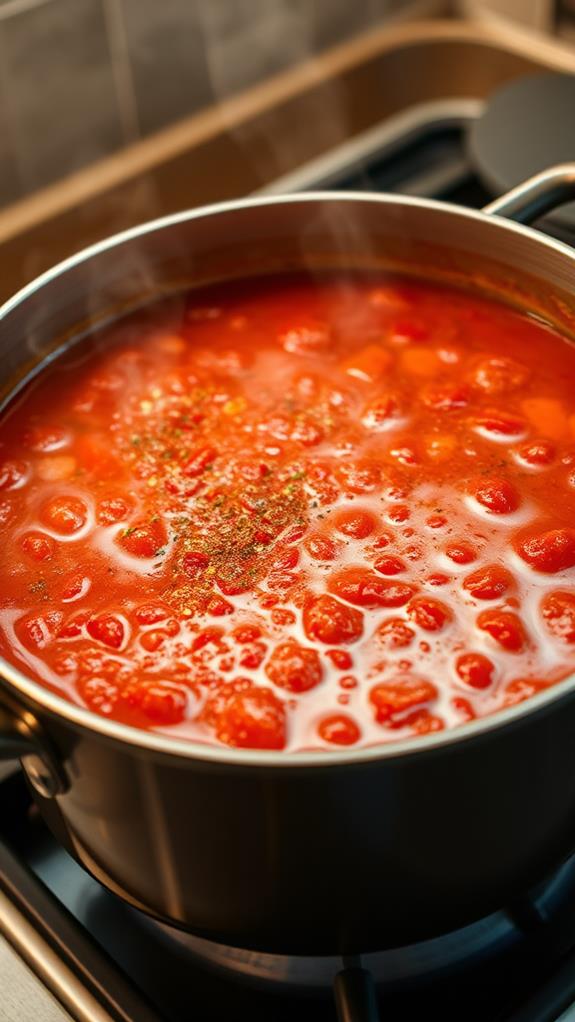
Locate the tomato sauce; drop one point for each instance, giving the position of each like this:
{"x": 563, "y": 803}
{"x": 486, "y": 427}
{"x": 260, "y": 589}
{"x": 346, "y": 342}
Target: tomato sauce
{"x": 293, "y": 513}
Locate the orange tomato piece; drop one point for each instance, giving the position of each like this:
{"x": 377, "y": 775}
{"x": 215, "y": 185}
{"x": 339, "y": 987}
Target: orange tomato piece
{"x": 420, "y": 361}
{"x": 369, "y": 364}
{"x": 547, "y": 415}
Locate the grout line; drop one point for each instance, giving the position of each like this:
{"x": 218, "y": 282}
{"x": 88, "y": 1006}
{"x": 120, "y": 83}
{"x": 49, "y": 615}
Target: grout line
{"x": 121, "y": 69}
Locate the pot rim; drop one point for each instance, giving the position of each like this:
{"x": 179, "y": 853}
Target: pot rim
{"x": 190, "y": 749}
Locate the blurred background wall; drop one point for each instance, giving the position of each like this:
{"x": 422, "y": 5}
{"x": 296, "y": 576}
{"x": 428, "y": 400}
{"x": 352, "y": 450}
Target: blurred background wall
{"x": 79, "y": 79}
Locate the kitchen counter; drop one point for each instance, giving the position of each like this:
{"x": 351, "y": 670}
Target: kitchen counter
{"x": 24, "y": 998}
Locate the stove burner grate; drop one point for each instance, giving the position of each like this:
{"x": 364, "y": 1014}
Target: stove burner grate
{"x": 425, "y": 962}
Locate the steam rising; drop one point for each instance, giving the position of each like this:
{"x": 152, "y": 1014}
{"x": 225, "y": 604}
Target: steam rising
{"x": 268, "y": 36}
{"x": 244, "y": 42}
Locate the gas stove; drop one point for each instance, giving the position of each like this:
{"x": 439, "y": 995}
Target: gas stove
{"x": 106, "y": 962}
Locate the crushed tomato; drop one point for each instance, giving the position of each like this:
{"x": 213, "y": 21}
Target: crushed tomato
{"x": 295, "y": 514}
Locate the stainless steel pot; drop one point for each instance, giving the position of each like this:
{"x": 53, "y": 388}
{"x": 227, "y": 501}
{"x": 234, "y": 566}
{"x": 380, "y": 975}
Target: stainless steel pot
{"x": 303, "y": 853}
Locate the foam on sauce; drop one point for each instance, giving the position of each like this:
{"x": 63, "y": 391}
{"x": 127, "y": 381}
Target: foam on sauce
{"x": 179, "y": 495}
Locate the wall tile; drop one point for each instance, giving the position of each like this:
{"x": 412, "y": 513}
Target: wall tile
{"x": 63, "y": 106}
{"x": 169, "y": 69}
{"x": 337, "y": 20}
{"x": 9, "y": 179}
{"x": 61, "y": 101}
{"x": 248, "y": 40}
{"x": 334, "y": 21}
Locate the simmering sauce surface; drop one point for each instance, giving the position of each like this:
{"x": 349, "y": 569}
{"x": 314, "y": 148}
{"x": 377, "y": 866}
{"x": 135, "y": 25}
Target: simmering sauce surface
{"x": 295, "y": 514}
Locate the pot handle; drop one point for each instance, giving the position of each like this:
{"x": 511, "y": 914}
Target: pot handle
{"x": 536, "y": 196}
{"x": 21, "y": 738}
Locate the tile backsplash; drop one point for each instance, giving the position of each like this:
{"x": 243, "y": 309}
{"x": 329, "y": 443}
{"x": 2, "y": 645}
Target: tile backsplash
{"x": 79, "y": 79}
{"x": 58, "y": 89}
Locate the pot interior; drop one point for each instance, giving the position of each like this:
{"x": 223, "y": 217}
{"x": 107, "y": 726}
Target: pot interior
{"x": 269, "y": 236}
{"x": 266, "y": 236}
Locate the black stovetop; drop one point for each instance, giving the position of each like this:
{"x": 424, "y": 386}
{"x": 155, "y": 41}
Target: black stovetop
{"x": 522, "y": 967}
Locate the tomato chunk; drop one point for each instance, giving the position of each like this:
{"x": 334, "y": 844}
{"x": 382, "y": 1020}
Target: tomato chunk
{"x": 389, "y": 565}
{"x": 339, "y": 730}
{"x": 520, "y": 689}
{"x": 558, "y": 612}
{"x": 294, "y": 667}
{"x": 501, "y": 423}
{"x": 500, "y": 375}
{"x": 364, "y": 588}
{"x": 66, "y": 514}
{"x": 37, "y": 631}
{"x": 358, "y": 524}
{"x": 45, "y": 438}
{"x": 150, "y": 614}
{"x": 113, "y": 509}
{"x": 331, "y": 622}
{"x": 108, "y": 629}
{"x": 194, "y": 563}
{"x": 550, "y": 551}
{"x": 538, "y": 453}
{"x": 488, "y": 583}
{"x": 162, "y": 702}
{"x": 143, "y": 539}
{"x": 322, "y": 548}
{"x": 505, "y": 628}
{"x": 461, "y": 553}
{"x": 382, "y": 413}
{"x": 38, "y": 546}
{"x": 446, "y": 398}
{"x": 252, "y": 656}
{"x": 394, "y": 698}
{"x": 496, "y": 495}
{"x": 429, "y": 614}
{"x": 395, "y": 633}
{"x": 13, "y": 474}
{"x": 101, "y": 695}
{"x": 359, "y": 476}
{"x": 247, "y": 716}
{"x": 199, "y": 461}
{"x": 475, "y": 670}
{"x": 340, "y": 659}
